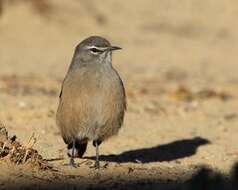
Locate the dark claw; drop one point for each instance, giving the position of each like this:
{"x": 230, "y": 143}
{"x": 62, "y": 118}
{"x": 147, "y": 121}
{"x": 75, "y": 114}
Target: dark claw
{"x": 97, "y": 165}
{"x": 72, "y": 163}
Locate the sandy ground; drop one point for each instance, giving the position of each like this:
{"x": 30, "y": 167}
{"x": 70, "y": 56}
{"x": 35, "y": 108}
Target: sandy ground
{"x": 179, "y": 66}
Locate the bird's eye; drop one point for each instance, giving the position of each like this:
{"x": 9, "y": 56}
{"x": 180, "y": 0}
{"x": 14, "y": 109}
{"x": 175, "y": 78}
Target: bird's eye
{"x": 95, "y": 50}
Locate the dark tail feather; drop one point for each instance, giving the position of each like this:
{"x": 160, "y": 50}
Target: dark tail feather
{"x": 81, "y": 147}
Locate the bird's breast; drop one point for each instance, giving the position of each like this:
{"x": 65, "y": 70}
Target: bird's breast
{"x": 95, "y": 91}
{"x": 91, "y": 100}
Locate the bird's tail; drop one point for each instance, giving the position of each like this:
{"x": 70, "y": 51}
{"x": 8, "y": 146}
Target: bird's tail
{"x": 80, "y": 148}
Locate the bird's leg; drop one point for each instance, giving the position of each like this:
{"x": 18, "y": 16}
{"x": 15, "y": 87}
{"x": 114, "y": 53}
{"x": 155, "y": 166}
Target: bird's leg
{"x": 96, "y": 144}
{"x": 97, "y": 165}
{"x": 71, "y": 161}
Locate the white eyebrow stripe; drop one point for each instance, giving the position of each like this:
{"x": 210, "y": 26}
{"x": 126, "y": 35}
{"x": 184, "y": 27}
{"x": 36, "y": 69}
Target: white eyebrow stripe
{"x": 99, "y": 48}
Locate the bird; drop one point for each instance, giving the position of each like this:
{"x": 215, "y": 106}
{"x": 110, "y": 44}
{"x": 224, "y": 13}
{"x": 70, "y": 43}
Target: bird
{"x": 92, "y": 100}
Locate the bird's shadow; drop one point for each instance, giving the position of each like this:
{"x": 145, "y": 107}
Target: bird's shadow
{"x": 166, "y": 152}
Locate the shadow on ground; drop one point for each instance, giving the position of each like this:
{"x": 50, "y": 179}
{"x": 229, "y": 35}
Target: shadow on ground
{"x": 167, "y": 152}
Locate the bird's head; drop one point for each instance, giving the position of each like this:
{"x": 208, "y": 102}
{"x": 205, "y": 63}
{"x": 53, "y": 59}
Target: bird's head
{"x": 94, "y": 50}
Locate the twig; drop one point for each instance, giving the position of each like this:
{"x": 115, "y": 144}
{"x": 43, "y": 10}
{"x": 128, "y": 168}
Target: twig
{"x": 31, "y": 143}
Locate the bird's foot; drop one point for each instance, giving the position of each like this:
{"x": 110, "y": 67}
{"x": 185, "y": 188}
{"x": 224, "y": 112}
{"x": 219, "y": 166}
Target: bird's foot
{"x": 96, "y": 166}
{"x": 72, "y": 163}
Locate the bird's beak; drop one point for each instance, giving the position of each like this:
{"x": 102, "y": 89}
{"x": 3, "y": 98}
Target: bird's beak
{"x": 112, "y": 48}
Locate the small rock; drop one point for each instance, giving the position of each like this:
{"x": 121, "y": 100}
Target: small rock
{"x": 22, "y": 104}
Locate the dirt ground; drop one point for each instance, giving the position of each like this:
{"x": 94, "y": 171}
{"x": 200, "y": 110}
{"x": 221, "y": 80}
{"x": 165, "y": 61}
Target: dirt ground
{"x": 179, "y": 66}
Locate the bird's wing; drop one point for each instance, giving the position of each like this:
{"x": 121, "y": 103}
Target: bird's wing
{"x": 61, "y": 90}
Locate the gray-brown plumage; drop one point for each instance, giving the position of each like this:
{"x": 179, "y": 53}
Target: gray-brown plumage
{"x": 92, "y": 99}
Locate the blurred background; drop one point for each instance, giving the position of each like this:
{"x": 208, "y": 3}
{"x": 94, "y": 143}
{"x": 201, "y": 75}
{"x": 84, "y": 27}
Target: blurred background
{"x": 192, "y": 36}
{"x": 178, "y": 63}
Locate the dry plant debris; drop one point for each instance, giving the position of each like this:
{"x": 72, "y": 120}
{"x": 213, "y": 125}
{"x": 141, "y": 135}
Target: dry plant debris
{"x": 14, "y": 151}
